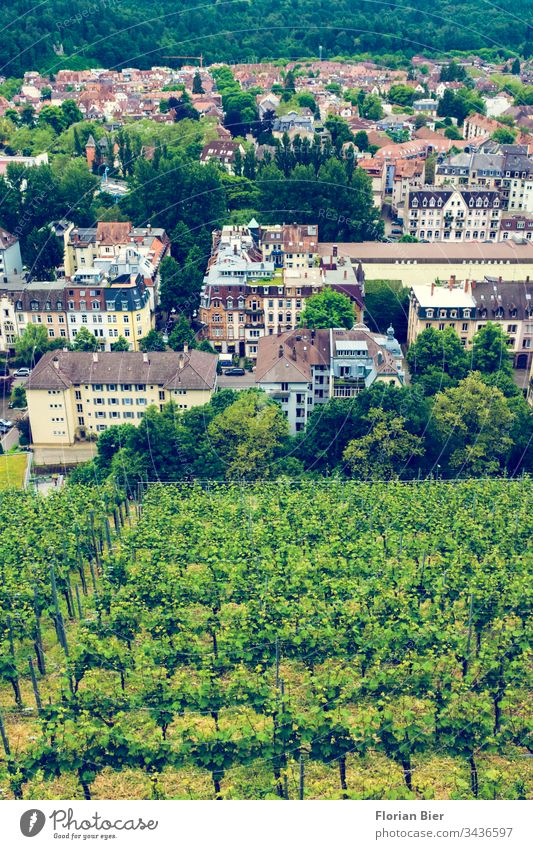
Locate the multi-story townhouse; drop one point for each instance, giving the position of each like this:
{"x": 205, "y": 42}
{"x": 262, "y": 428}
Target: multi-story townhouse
{"x": 483, "y": 170}
{"x": 259, "y": 279}
{"x": 530, "y": 386}
{"x": 107, "y": 310}
{"x": 304, "y": 368}
{"x": 75, "y": 395}
{"x": 287, "y": 245}
{"x": 476, "y": 125}
{"x": 468, "y": 306}
{"x": 8, "y": 322}
{"x": 518, "y": 178}
{"x": 441, "y": 214}
{"x": 516, "y": 226}
{"x": 442, "y": 307}
{"x": 10, "y": 258}
{"x": 116, "y": 248}
{"x": 406, "y": 175}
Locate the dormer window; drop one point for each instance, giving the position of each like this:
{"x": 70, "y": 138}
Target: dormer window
{"x": 48, "y": 305}
{"x": 479, "y": 202}
{"x": 34, "y": 305}
{"x": 19, "y": 305}
{"x": 424, "y": 202}
{"x": 439, "y": 202}
{"x": 466, "y": 313}
{"x": 432, "y": 202}
{"x": 471, "y": 202}
{"x": 415, "y": 202}
{"x": 453, "y": 313}
{"x": 59, "y": 305}
{"x": 429, "y": 313}
{"x": 442, "y": 313}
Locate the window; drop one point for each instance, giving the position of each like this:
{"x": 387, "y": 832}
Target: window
{"x": 465, "y": 326}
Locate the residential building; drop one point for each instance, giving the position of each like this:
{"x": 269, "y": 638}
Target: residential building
{"x": 466, "y": 307}
{"x": 476, "y": 125}
{"x": 10, "y": 258}
{"x": 258, "y": 281}
{"x": 412, "y": 263}
{"x": 26, "y": 161}
{"x": 517, "y": 226}
{"x": 304, "y": 368}
{"x": 223, "y": 152}
{"x": 471, "y": 169}
{"x": 107, "y": 309}
{"x": 75, "y": 395}
{"x": 114, "y": 249}
{"x": 376, "y": 170}
{"x": 407, "y": 175}
{"x": 447, "y": 214}
{"x": 288, "y": 245}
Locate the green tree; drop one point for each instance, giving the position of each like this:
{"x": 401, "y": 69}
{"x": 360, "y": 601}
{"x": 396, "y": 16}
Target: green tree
{"x": 85, "y": 340}
{"x": 121, "y": 344}
{"x": 386, "y": 304}
{"x": 18, "y": 397}
{"x": 490, "y": 350}
{"x": 361, "y": 140}
{"x": 249, "y": 435}
{"x": 328, "y": 309}
{"x": 403, "y": 95}
{"x": 504, "y": 135}
{"x": 71, "y": 113}
{"x": 197, "y": 87}
{"x": 182, "y": 334}
{"x": 475, "y": 420}
{"x": 385, "y": 450}
{"x": 31, "y": 344}
{"x": 43, "y": 254}
{"x": 153, "y": 341}
{"x": 437, "y": 359}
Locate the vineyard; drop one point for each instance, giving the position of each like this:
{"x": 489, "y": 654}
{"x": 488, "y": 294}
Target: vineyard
{"x": 278, "y": 640}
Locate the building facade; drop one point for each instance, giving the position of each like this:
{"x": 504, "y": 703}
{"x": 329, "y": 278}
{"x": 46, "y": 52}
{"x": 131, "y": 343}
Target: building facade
{"x": 466, "y": 307}
{"x": 74, "y": 395}
{"x": 440, "y": 214}
{"x": 304, "y": 368}
{"x": 10, "y": 258}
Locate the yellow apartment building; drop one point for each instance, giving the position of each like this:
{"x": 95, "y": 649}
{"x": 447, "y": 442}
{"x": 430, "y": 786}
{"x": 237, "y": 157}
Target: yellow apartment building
{"x": 75, "y": 395}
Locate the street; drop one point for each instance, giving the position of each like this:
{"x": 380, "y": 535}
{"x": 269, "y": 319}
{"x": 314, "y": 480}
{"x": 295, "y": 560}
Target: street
{"x": 244, "y": 382}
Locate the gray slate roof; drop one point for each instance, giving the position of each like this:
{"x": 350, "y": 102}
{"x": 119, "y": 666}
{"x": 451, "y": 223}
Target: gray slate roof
{"x": 61, "y": 369}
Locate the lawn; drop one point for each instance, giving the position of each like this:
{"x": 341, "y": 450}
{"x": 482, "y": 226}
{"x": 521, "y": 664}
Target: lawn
{"x": 12, "y": 470}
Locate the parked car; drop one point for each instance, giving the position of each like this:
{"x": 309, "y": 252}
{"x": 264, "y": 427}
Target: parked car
{"x": 235, "y": 372}
{"x": 5, "y": 425}
{"x": 23, "y": 372}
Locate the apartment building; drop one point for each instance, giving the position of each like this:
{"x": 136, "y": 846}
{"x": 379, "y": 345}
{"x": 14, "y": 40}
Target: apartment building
{"x": 447, "y": 214}
{"x": 74, "y": 395}
{"x": 304, "y": 368}
{"x": 484, "y": 170}
{"x": 107, "y": 310}
{"x": 114, "y": 249}
{"x": 466, "y": 307}
{"x": 287, "y": 245}
{"x": 516, "y": 226}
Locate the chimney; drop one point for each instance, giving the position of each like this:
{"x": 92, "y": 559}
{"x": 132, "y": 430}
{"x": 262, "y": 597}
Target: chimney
{"x": 499, "y": 279}
{"x": 280, "y": 351}
{"x": 145, "y": 358}
{"x": 466, "y": 287}
{"x": 56, "y": 363}
{"x": 95, "y": 356}
{"x": 432, "y": 288}
{"x": 473, "y": 284}
{"x": 185, "y": 348}
{"x": 335, "y": 250}
{"x": 451, "y": 284}
{"x": 181, "y": 361}
{"x": 345, "y": 273}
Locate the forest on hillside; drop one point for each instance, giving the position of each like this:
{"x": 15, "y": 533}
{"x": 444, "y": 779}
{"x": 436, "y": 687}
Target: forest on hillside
{"x": 112, "y": 33}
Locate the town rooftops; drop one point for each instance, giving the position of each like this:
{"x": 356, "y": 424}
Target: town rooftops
{"x": 443, "y": 296}
{"x": 171, "y": 370}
